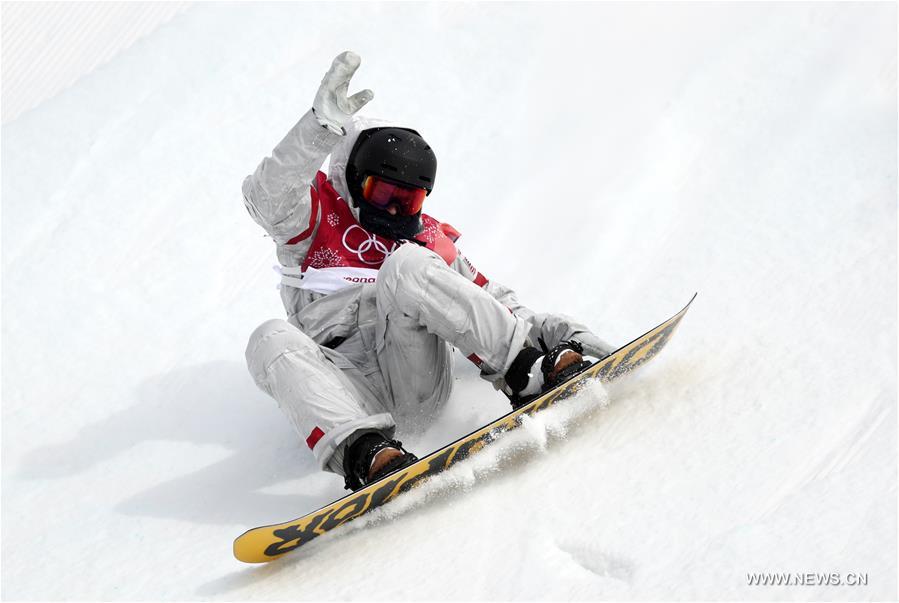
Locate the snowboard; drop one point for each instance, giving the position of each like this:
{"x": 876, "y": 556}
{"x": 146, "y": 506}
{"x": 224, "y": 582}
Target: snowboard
{"x": 267, "y": 543}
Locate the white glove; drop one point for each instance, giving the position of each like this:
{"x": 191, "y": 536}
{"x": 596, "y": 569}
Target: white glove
{"x": 331, "y": 107}
{"x": 593, "y": 345}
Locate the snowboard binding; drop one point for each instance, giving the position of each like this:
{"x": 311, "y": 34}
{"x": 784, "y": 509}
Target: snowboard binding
{"x": 360, "y": 456}
{"x": 559, "y": 364}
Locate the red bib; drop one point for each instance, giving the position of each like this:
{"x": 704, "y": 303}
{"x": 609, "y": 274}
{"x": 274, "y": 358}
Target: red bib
{"x": 343, "y": 253}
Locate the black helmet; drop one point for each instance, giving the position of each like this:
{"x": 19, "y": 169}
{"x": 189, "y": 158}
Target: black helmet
{"x": 400, "y": 155}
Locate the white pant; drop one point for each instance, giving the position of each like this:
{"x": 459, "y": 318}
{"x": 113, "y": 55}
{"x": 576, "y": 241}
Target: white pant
{"x": 396, "y": 366}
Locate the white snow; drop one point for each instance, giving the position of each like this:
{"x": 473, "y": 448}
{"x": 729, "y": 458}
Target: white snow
{"x": 606, "y": 160}
{"x": 48, "y": 46}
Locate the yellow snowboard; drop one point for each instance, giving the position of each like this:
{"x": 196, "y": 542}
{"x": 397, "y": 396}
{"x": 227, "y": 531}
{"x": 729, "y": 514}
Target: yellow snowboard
{"x": 270, "y": 542}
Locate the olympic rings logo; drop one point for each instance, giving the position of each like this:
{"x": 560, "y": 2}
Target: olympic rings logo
{"x": 371, "y": 243}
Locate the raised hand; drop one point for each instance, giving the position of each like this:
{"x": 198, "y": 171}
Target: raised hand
{"x": 332, "y": 107}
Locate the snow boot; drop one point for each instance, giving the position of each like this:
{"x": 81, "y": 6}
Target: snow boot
{"x": 535, "y": 372}
{"x": 371, "y": 457}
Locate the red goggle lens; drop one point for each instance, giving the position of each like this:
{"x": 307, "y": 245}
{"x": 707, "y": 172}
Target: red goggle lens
{"x": 382, "y": 193}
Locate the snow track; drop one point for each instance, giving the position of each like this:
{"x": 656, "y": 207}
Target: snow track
{"x": 747, "y": 151}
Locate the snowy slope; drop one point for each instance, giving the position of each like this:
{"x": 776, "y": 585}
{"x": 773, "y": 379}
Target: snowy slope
{"x": 48, "y": 46}
{"x": 747, "y": 152}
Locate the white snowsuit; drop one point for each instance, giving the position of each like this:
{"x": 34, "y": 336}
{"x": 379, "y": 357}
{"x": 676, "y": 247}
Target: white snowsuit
{"x": 366, "y": 345}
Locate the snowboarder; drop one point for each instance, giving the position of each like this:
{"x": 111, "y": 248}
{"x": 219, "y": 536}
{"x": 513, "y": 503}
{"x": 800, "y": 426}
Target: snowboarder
{"x": 377, "y": 293}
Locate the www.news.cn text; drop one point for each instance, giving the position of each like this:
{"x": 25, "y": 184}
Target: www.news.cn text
{"x": 807, "y": 579}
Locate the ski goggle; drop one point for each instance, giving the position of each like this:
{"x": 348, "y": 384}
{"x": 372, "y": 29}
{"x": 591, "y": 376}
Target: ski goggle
{"x": 382, "y": 193}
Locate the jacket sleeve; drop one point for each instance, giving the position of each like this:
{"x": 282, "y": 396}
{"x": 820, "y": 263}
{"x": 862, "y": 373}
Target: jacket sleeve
{"x": 501, "y": 293}
{"x": 277, "y": 193}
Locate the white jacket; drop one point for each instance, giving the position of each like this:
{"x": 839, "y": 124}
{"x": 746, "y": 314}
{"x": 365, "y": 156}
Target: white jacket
{"x": 277, "y": 196}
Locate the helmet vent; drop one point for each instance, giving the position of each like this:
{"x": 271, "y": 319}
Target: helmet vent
{"x": 389, "y": 167}
{"x": 425, "y": 178}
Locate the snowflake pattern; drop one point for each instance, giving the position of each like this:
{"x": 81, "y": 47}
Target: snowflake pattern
{"x": 326, "y": 258}
{"x": 430, "y": 232}
{"x": 333, "y": 219}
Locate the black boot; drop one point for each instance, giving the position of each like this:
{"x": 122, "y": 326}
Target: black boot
{"x": 360, "y": 465}
{"x": 525, "y": 383}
